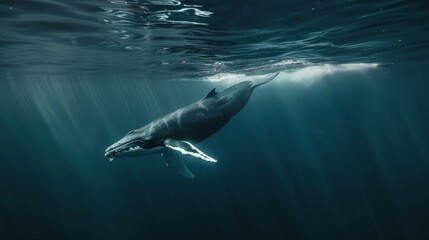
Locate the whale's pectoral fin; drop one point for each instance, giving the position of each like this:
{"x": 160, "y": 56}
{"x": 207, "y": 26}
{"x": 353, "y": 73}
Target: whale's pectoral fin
{"x": 187, "y": 148}
{"x": 175, "y": 161}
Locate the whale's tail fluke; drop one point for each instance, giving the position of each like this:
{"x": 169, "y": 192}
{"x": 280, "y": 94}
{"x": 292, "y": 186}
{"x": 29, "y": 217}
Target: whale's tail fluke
{"x": 263, "y": 80}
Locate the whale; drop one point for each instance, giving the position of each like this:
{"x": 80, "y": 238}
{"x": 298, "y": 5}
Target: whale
{"x": 174, "y": 135}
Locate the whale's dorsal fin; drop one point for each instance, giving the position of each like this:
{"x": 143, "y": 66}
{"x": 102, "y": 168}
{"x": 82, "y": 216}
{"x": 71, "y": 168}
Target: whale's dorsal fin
{"x": 212, "y": 93}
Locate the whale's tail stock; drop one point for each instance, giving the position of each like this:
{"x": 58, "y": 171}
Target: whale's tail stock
{"x": 264, "y": 79}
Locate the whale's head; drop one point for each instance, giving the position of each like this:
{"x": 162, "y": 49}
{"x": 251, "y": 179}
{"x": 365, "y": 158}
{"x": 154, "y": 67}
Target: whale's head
{"x": 135, "y": 143}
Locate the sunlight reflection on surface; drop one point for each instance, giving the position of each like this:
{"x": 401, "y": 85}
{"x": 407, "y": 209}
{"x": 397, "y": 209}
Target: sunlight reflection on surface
{"x": 306, "y": 75}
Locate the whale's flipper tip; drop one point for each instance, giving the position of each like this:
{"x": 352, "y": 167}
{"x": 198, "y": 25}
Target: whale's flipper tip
{"x": 175, "y": 161}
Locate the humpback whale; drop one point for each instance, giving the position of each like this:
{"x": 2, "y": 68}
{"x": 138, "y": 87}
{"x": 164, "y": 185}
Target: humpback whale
{"x": 175, "y": 134}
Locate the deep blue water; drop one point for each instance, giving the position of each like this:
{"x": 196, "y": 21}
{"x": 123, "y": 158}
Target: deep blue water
{"x": 336, "y": 147}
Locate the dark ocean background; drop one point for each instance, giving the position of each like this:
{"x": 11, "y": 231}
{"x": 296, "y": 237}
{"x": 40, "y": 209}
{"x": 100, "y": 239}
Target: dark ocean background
{"x": 336, "y": 147}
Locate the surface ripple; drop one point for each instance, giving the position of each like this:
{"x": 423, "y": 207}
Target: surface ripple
{"x": 194, "y": 38}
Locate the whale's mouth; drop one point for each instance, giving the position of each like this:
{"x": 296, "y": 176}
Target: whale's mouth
{"x": 122, "y": 149}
